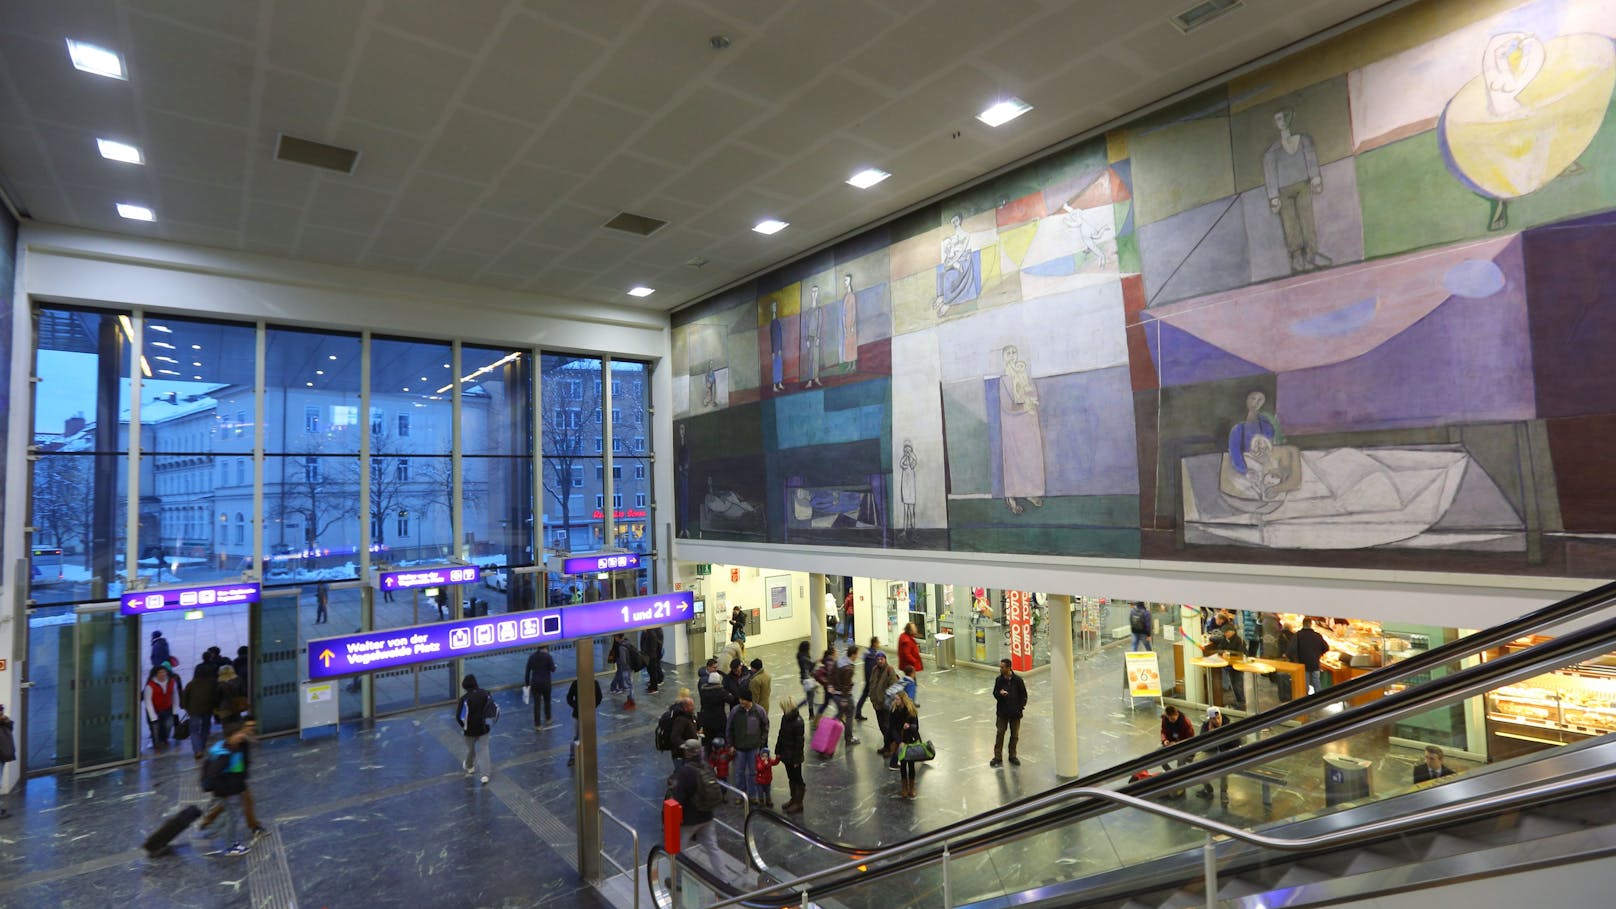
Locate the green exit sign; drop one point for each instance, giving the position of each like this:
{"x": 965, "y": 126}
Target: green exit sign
{"x": 703, "y": 569}
{"x": 192, "y": 615}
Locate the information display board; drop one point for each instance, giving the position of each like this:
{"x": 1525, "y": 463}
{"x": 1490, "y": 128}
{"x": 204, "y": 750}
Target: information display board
{"x": 607, "y": 561}
{"x": 1144, "y": 676}
{"x": 391, "y": 648}
{"x": 428, "y": 576}
{"x": 159, "y": 599}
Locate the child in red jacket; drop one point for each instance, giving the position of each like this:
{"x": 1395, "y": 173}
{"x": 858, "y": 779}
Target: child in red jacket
{"x": 720, "y": 755}
{"x": 765, "y": 776}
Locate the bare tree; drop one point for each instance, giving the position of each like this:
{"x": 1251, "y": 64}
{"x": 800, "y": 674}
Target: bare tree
{"x": 568, "y": 420}
{"x": 61, "y": 499}
{"x": 319, "y": 489}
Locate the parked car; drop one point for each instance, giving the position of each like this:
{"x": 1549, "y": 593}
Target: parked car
{"x": 495, "y": 579}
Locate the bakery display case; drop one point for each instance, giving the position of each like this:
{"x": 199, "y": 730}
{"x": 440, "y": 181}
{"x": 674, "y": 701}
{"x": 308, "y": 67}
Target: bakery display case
{"x": 1557, "y": 708}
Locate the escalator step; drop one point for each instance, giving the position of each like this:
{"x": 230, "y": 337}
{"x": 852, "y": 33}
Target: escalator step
{"x": 1301, "y": 875}
{"x": 1364, "y": 861}
{"x": 1443, "y": 845}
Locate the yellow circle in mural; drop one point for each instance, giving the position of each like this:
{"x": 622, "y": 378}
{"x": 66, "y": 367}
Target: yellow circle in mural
{"x": 1534, "y": 109}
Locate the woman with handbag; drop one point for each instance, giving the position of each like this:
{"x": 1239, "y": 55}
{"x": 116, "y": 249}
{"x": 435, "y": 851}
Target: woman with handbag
{"x": 906, "y": 720}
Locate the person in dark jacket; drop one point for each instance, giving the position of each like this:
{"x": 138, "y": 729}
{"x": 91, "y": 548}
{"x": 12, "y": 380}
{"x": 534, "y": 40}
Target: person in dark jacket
{"x": 871, "y": 654}
{"x": 696, "y": 826}
{"x": 572, "y": 701}
{"x": 805, "y": 674}
{"x": 714, "y": 706}
{"x": 1229, "y": 643}
{"x": 1307, "y": 648}
{"x": 1175, "y": 728}
{"x": 1010, "y": 702}
{"x": 231, "y": 783}
{"x": 841, "y": 690}
{"x": 199, "y": 698}
{"x": 242, "y": 664}
{"x": 8, "y": 752}
{"x": 651, "y": 648}
{"x": 536, "y": 678}
{"x": 159, "y": 649}
{"x": 229, "y": 697}
{"x": 683, "y": 728}
{"x": 472, "y": 714}
{"x": 735, "y": 684}
{"x": 1432, "y": 768}
{"x": 618, "y": 656}
{"x": 1214, "y": 721}
{"x": 906, "y": 720}
{"x": 789, "y": 745}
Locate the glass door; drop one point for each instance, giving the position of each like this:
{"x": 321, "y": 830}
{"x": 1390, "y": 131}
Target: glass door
{"x": 275, "y": 654}
{"x": 107, "y": 683}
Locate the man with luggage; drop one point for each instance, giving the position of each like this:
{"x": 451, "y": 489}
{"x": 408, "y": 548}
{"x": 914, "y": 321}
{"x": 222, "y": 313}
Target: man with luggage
{"x": 224, "y": 773}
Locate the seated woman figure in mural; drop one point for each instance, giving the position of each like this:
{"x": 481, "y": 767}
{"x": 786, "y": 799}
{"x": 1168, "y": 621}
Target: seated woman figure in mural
{"x": 1255, "y": 423}
{"x": 1268, "y": 472}
{"x": 959, "y": 268}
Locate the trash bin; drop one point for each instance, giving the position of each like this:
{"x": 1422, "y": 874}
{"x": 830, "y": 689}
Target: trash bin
{"x": 1346, "y": 779}
{"x": 945, "y": 650}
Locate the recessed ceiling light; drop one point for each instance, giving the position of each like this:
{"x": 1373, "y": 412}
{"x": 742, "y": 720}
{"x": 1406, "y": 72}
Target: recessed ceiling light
{"x": 163, "y": 344}
{"x": 113, "y": 150}
{"x": 332, "y": 357}
{"x": 319, "y": 372}
{"x": 95, "y": 59}
{"x": 165, "y": 359}
{"x": 1004, "y": 111}
{"x": 770, "y": 226}
{"x": 423, "y": 378}
{"x": 406, "y": 388}
{"x": 196, "y": 362}
{"x": 196, "y": 377}
{"x": 446, "y": 366}
{"x": 196, "y": 347}
{"x": 867, "y": 177}
{"x": 136, "y": 212}
{"x": 640, "y": 290}
{"x": 309, "y": 384}
{"x": 162, "y": 328}
{"x": 167, "y": 372}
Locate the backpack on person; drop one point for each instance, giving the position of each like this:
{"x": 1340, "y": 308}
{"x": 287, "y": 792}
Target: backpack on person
{"x": 636, "y": 660}
{"x": 213, "y": 768}
{"x": 664, "y": 728}
{"x": 709, "y": 796}
{"x": 1139, "y": 621}
{"x": 490, "y": 709}
{"x": 822, "y": 675}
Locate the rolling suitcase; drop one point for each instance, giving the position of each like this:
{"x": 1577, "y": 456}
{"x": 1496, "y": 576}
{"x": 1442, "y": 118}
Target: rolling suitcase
{"x": 827, "y": 735}
{"x": 174, "y": 826}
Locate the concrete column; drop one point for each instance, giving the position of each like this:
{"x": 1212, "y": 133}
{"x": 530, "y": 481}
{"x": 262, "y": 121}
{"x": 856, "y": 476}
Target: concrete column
{"x": 586, "y": 782}
{"x": 1063, "y": 684}
{"x": 816, "y": 614}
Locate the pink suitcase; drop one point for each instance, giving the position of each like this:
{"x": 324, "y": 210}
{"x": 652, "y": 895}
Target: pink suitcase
{"x": 827, "y": 735}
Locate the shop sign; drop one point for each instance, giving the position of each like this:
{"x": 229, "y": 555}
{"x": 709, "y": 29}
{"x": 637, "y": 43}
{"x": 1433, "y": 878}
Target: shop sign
{"x": 1018, "y": 612}
{"x": 157, "y": 599}
{"x": 620, "y": 513}
{"x": 734, "y": 575}
{"x": 391, "y": 648}
{"x": 1144, "y": 676}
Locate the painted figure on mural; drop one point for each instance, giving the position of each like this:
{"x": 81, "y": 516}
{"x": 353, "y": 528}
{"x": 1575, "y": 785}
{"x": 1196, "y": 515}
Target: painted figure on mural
{"x": 958, "y": 281}
{"x": 1292, "y": 178}
{"x": 777, "y": 347}
{"x": 813, "y": 338}
{"x": 1092, "y": 234}
{"x": 1256, "y": 422}
{"x": 1021, "y": 435}
{"x": 906, "y": 485}
{"x": 849, "y": 321}
{"x": 681, "y": 471}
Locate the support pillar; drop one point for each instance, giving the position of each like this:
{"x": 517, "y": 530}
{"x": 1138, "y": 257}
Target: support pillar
{"x": 1063, "y": 684}
{"x": 816, "y": 614}
{"x": 586, "y": 782}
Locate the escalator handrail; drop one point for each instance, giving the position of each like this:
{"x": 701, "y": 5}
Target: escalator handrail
{"x": 1548, "y": 617}
{"x": 1425, "y": 818}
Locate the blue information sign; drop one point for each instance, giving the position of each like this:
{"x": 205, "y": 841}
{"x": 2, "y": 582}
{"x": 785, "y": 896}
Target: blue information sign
{"x": 391, "y": 648}
{"x": 195, "y": 596}
{"x": 428, "y": 576}
{"x": 609, "y": 561}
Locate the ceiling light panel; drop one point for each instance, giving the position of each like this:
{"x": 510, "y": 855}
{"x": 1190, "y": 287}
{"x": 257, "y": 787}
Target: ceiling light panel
{"x": 113, "y": 150}
{"x": 1004, "y": 111}
{"x": 770, "y": 226}
{"x": 92, "y": 58}
{"x": 641, "y": 291}
{"x": 135, "y": 212}
{"x": 867, "y": 177}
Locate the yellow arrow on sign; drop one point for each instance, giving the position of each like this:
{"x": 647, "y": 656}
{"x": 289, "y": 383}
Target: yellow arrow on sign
{"x": 325, "y": 657}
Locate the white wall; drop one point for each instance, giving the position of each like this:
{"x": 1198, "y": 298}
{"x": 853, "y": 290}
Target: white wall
{"x": 750, "y": 592}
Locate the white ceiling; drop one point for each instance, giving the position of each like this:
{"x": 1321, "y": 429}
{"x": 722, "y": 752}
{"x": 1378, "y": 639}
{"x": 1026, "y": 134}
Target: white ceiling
{"x": 497, "y": 136}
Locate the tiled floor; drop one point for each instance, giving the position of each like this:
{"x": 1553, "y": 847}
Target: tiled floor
{"x": 380, "y": 814}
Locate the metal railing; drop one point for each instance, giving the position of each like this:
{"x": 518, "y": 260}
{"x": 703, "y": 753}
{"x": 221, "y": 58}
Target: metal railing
{"x": 634, "y": 834}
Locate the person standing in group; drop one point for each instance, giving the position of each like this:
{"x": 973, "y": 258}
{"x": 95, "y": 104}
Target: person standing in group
{"x": 841, "y": 688}
{"x": 747, "y": 730}
{"x": 847, "y": 616}
{"x": 1175, "y": 728}
{"x": 8, "y": 752}
{"x": 714, "y": 705}
{"x": 159, "y": 649}
{"x": 871, "y": 654}
{"x": 906, "y": 723}
{"x": 651, "y": 641}
{"x": 1139, "y": 624}
{"x": 242, "y": 664}
{"x": 883, "y": 680}
{"x": 541, "y": 666}
{"x": 909, "y": 653}
{"x": 761, "y": 685}
{"x": 789, "y": 745}
{"x": 1229, "y": 643}
{"x": 1307, "y": 648}
{"x": 1010, "y": 702}
{"x": 572, "y": 701}
{"x": 1214, "y": 721}
{"x": 198, "y": 698}
{"x": 682, "y": 727}
{"x": 230, "y": 701}
{"x": 159, "y": 698}
{"x": 618, "y": 656}
{"x": 475, "y": 714}
{"x": 692, "y": 785}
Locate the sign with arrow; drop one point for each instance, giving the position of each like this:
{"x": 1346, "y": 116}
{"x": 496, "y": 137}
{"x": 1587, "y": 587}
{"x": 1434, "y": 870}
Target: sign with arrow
{"x": 608, "y": 561}
{"x": 187, "y": 596}
{"x": 428, "y": 576}
{"x": 391, "y": 648}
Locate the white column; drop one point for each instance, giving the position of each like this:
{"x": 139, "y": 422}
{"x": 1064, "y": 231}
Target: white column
{"x": 816, "y": 614}
{"x": 1063, "y": 685}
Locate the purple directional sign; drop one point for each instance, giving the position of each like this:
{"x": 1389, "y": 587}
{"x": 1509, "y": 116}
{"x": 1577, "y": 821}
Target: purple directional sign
{"x": 610, "y": 561}
{"x": 428, "y": 576}
{"x": 391, "y": 648}
{"x": 159, "y": 599}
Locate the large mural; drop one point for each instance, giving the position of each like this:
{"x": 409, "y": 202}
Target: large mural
{"x": 1347, "y": 310}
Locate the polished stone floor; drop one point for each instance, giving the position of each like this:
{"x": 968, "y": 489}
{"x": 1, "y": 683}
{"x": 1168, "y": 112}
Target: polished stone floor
{"x": 380, "y": 813}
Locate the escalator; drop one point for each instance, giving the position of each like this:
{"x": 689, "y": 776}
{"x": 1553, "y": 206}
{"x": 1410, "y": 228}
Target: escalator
{"x": 1107, "y": 839}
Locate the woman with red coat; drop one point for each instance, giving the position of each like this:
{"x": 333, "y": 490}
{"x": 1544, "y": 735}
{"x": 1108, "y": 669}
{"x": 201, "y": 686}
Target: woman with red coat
{"x": 159, "y": 698}
{"x": 909, "y": 652}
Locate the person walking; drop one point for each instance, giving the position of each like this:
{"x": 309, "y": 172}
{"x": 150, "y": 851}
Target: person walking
{"x": 1214, "y": 721}
{"x": 1307, "y": 648}
{"x": 198, "y": 698}
{"x": 691, "y": 785}
{"x": 249, "y": 726}
{"x": 8, "y": 752}
{"x": 761, "y": 685}
{"x": 683, "y": 727}
{"x": 1175, "y": 728}
{"x": 737, "y": 626}
{"x": 322, "y": 604}
{"x": 906, "y": 721}
{"x": 541, "y": 666}
{"x": 841, "y": 688}
{"x": 847, "y": 616}
{"x": 225, "y": 775}
{"x": 242, "y": 664}
{"x": 618, "y": 656}
{"x": 572, "y": 701}
{"x": 909, "y": 653}
{"x": 789, "y": 745}
{"x": 476, "y": 714}
{"x": 158, "y": 699}
{"x": 651, "y": 642}
{"x": 805, "y": 674}
{"x": 747, "y": 730}
{"x": 1010, "y": 702}
{"x": 1139, "y": 623}
{"x": 871, "y": 654}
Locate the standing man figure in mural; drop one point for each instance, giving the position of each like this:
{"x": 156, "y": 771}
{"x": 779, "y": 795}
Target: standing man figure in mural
{"x": 849, "y": 322}
{"x": 906, "y": 486}
{"x": 1021, "y": 436}
{"x": 1292, "y": 178}
{"x": 777, "y": 348}
{"x": 813, "y": 338}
